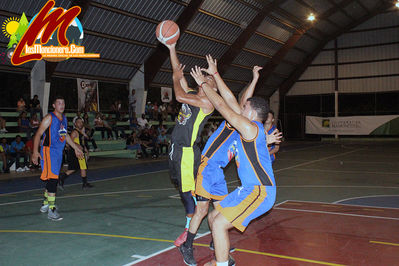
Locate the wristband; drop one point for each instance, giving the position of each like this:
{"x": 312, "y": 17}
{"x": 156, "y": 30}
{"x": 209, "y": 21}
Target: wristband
{"x": 215, "y": 73}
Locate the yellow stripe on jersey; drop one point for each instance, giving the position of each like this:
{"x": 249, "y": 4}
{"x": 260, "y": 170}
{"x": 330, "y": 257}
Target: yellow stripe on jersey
{"x": 187, "y": 169}
{"x": 198, "y": 120}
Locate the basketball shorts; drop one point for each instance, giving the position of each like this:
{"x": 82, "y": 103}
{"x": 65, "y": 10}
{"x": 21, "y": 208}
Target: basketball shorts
{"x": 244, "y": 204}
{"x": 210, "y": 183}
{"x": 74, "y": 163}
{"x": 51, "y": 162}
{"x": 183, "y": 166}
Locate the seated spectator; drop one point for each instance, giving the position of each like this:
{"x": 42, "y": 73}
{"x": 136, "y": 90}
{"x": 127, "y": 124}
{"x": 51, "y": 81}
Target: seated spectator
{"x": 3, "y": 125}
{"x": 34, "y": 124}
{"x": 162, "y": 142}
{"x": 147, "y": 142}
{"x": 7, "y": 149}
{"x": 24, "y": 125}
{"x": 3, "y": 156}
{"x": 142, "y": 121}
{"x": 100, "y": 126}
{"x": 35, "y": 107}
{"x": 133, "y": 122}
{"x": 169, "y": 109}
{"x": 155, "y": 111}
{"x": 89, "y": 132}
{"x": 21, "y": 106}
{"x": 163, "y": 114}
{"x": 108, "y": 128}
{"x": 18, "y": 151}
{"x": 113, "y": 123}
{"x": 134, "y": 143}
{"x": 116, "y": 109}
{"x": 29, "y": 151}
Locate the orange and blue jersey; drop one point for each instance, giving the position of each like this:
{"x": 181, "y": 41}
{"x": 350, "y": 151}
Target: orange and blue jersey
{"x": 218, "y": 151}
{"x": 253, "y": 160}
{"x": 52, "y": 147}
{"x": 271, "y": 146}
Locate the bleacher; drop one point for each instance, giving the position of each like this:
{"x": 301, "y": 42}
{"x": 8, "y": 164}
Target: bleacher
{"x": 108, "y": 148}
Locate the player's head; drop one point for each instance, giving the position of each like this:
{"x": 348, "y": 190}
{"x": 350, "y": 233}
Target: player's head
{"x": 79, "y": 123}
{"x": 211, "y": 82}
{"x": 18, "y": 138}
{"x": 256, "y": 108}
{"x": 270, "y": 117}
{"x": 59, "y": 104}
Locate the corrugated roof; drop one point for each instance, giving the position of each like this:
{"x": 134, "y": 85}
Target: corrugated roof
{"x": 154, "y": 9}
{"x": 89, "y": 67}
{"x": 30, "y": 7}
{"x": 6, "y": 62}
{"x": 104, "y": 21}
{"x": 296, "y": 9}
{"x": 249, "y": 59}
{"x": 340, "y": 19}
{"x": 284, "y": 68}
{"x": 295, "y": 56}
{"x": 163, "y": 78}
{"x": 193, "y": 44}
{"x": 235, "y": 87}
{"x": 231, "y": 10}
{"x": 306, "y": 43}
{"x": 274, "y": 81}
{"x": 215, "y": 28}
{"x": 188, "y": 61}
{"x": 238, "y": 74}
{"x": 261, "y": 44}
{"x": 275, "y": 29}
{"x": 116, "y": 50}
{"x": 320, "y": 6}
{"x": 325, "y": 27}
{"x": 355, "y": 10}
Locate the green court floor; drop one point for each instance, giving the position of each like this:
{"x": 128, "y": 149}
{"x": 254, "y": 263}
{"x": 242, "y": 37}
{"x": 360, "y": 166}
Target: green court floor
{"x": 124, "y": 219}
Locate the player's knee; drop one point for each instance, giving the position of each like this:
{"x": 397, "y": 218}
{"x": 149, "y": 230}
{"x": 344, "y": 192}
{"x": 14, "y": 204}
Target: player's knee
{"x": 51, "y": 185}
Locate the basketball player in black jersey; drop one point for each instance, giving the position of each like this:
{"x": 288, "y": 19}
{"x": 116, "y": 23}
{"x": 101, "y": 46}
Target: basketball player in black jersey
{"x": 184, "y": 152}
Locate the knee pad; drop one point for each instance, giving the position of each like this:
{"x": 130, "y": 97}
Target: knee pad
{"x": 51, "y": 185}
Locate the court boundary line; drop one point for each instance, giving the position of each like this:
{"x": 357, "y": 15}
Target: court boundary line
{"x": 173, "y": 246}
{"x": 338, "y": 213}
{"x": 344, "y": 171}
{"x": 364, "y": 197}
{"x": 333, "y": 203}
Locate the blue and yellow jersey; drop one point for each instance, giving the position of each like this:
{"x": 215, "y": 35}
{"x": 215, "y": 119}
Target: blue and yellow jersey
{"x": 55, "y": 135}
{"x": 253, "y": 160}
{"x": 218, "y": 149}
{"x": 271, "y": 146}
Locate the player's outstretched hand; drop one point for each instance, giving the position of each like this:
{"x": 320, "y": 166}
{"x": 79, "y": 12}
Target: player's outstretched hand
{"x": 79, "y": 153}
{"x": 255, "y": 71}
{"x": 171, "y": 46}
{"x": 35, "y": 156}
{"x": 196, "y": 73}
{"x": 212, "y": 65}
{"x": 274, "y": 137}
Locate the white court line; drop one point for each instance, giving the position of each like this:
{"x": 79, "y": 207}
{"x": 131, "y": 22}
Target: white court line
{"x": 137, "y": 256}
{"x": 320, "y": 202}
{"x": 318, "y": 160}
{"x": 372, "y": 196}
{"x": 331, "y": 186}
{"x": 95, "y": 181}
{"x": 171, "y": 247}
{"x": 93, "y": 194}
{"x": 337, "y": 213}
{"x": 345, "y": 171}
{"x": 306, "y": 148}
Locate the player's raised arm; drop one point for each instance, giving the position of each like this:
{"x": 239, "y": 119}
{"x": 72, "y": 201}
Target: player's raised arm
{"x": 247, "y": 129}
{"x": 36, "y": 139}
{"x": 225, "y": 92}
{"x": 174, "y": 61}
{"x": 249, "y": 91}
{"x": 183, "y": 97}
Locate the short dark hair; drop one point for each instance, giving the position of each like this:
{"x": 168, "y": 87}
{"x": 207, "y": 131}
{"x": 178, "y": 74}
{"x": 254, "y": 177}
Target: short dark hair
{"x": 271, "y": 112}
{"x": 58, "y": 97}
{"x": 260, "y": 106}
{"x": 17, "y": 136}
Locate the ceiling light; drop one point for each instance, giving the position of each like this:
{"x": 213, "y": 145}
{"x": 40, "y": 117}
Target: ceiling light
{"x": 311, "y": 17}
{"x": 397, "y": 4}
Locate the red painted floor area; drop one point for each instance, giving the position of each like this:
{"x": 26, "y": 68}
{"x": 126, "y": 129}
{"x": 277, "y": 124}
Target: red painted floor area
{"x": 305, "y": 233}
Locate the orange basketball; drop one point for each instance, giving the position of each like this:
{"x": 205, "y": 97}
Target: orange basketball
{"x": 168, "y": 32}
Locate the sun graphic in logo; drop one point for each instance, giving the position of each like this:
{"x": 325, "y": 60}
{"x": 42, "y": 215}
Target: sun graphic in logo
{"x": 10, "y": 26}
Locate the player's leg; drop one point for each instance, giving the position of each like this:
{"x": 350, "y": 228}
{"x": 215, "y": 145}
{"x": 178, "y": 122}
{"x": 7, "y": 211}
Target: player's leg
{"x": 51, "y": 191}
{"x": 220, "y": 234}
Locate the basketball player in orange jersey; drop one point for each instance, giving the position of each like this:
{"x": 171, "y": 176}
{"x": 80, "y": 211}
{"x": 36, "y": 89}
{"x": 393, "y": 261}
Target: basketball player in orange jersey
{"x": 55, "y": 135}
{"x": 184, "y": 152}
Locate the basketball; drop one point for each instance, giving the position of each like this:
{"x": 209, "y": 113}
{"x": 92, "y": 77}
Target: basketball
{"x": 168, "y": 32}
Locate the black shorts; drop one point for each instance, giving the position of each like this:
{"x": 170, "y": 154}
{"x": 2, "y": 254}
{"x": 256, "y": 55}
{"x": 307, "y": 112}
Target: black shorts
{"x": 183, "y": 165}
{"x": 74, "y": 163}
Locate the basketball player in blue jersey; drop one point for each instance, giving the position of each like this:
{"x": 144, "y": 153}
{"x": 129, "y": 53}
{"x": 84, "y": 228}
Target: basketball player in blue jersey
{"x": 184, "y": 151}
{"x": 210, "y": 183}
{"x": 54, "y": 130}
{"x": 270, "y": 128}
{"x": 257, "y": 194}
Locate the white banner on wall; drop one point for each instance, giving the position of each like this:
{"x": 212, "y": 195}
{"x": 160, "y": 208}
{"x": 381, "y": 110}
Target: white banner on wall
{"x": 88, "y": 95}
{"x": 349, "y": 125}
{"x": 166, "y": 94}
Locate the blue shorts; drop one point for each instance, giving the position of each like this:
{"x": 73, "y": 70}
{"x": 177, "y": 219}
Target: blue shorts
{"x": 210, "y": 182}
{"x": 51, "y": 162}
{"x": 247, "y": 203}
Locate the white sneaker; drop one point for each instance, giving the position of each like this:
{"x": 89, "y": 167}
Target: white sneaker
{"x": 19, "y": 170}
{"x": 26, "y": 168}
